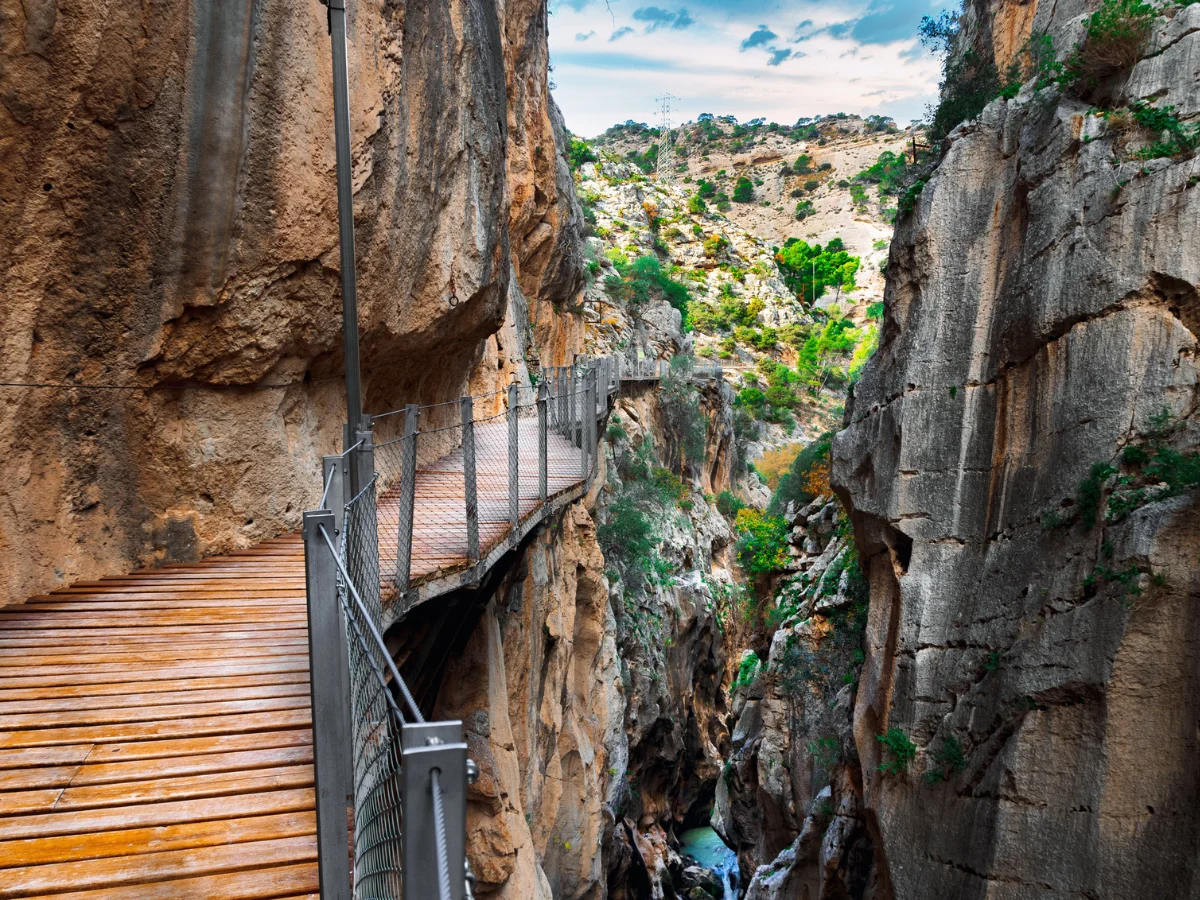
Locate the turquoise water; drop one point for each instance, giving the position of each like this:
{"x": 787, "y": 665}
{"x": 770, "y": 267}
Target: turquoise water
{"x": 706, "y": 847}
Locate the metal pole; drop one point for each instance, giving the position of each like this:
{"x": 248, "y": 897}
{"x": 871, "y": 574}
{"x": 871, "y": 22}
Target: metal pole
{"x": 470, "y": 483}
{"x": 328, "y": 668}
{"x": 408, "y": 499}
{"x": 514, "y": 461}
{"x": 345, "y": 192}
{"x": 543, "y": 428}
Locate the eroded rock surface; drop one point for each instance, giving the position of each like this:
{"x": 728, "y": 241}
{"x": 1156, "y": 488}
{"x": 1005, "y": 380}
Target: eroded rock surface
{"x": 1042, "y": 316}
{"x": 168, "y": 222}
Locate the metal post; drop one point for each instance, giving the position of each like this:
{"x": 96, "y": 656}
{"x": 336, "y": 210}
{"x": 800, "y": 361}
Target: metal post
{"x": 569, "y": 430}
{"x": 408, "y": 499}
{"x": 434, "y": 773}
{"x": 364, "y": 460}
{"x": 564, "y": 392}
{"x": 345, "y": 193}
{"x": 514, "y": 460}
{"x": 328, "y": 672}
{"x": 470, "y": 484}
{"x": 593, "y": 391}
{"x": 578, "y": 424}
{"x": 543, "y": 428}
{"x": 336, "y": 475}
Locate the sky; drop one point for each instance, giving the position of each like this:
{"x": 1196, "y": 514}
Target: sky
{"x": 778, "y": 59}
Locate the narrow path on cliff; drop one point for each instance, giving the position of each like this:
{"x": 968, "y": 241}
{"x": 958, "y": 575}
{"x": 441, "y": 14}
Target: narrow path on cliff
{"x": 156, "y": 728}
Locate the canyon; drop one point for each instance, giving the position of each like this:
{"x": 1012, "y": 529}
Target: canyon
{"x": 972, "y": 670}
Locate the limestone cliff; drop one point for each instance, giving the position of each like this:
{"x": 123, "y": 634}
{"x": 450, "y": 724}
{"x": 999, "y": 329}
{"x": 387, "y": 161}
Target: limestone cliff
{"x": 1012, "y": 459}
{"x": 168, "y": 236}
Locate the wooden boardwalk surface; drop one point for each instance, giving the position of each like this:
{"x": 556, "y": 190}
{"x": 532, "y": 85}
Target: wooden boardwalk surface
{"x": 155, "y": 735}
{"x": 155, "y": 729}
{"x": 440, "y": 516}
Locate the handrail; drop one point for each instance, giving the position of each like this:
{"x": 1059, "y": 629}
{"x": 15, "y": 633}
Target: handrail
{"x": 399, "y": 768}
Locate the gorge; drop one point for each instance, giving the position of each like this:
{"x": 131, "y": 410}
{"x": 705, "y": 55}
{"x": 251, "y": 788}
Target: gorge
{"x": 900, "y": 605}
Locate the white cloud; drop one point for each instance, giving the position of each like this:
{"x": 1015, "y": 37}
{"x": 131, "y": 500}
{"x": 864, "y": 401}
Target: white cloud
{"x": 601, "y": 84}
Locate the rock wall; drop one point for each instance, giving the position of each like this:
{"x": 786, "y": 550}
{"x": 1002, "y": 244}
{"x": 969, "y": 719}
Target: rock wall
{"x": 168, "y": 229}
{"x": 1034, "y": 626}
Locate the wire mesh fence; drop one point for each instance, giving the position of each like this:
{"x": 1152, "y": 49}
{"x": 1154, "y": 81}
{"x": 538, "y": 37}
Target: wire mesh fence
{"x": 458, "y": 480}
{"x": 441, "y": 487}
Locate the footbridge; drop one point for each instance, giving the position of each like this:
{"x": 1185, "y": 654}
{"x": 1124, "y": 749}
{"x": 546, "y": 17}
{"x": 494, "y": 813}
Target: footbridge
{"x": 236, "y": 728}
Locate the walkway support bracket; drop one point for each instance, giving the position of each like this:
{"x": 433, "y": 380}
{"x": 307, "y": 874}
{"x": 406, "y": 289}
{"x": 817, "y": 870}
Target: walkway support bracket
{"x": 328, "y": 674}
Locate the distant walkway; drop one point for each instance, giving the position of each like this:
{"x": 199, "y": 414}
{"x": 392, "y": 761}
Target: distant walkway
{"x": 155, "y": 734}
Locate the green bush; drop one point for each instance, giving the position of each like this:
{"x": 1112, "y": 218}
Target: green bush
{"x": 1090, "y": 490}
{"x": 812, "y": 184}
{"x": 643, "y": 280}
{"x": 728, "y": 504}
{"x": 793, "y": 486}
{"x": 743, "y": 192}
{"x": 1114, "y": 38}
{"x": 747, "y": 672}
{"x": 762, "y": 542}
{"x": 804, "y": 209}
{"x": 696, "y": 206}
{"x": 901, "y": 750}
{"x": 580, "y": 152}
{"x": 891, "y": 172}
{"x": 715, "y": 245}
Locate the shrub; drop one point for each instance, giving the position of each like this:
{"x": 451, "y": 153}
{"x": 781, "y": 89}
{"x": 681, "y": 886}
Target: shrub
{"x": 728, "y": 504}
{"x": 776, "y": 462}
{"x": 803, "y": 164}
{"x": 697, "y": 207}
{"x": 762, "y": 542}
{"x": 580, "y": 152}
{"x": 900, "y": 748}
{"x": 909, "y": 200}
{"x": 643, "y": 280}
{"x": 799, "y": 486}
{"x": 715, "y": 245}
{"x": 743, "y": 192}
{"x": 1114, "y": 37}
{"x": 1090, "y": 490}
{"x": 747, "y": 672}
{"x": 812, "y": 184}
{"x": 804, "y": 209}
{"x": 875, "y": 310}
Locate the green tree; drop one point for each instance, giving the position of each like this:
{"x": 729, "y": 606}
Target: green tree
{"x": 743, "y": 192}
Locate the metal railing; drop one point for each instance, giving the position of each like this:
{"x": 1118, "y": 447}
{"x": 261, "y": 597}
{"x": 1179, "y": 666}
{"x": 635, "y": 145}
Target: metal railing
{"x": 426, "y": 499}
{"x": 460, "y": 483}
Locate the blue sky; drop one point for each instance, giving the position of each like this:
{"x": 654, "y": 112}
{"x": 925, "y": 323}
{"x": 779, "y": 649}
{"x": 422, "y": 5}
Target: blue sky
{"x": 779, "y": 59}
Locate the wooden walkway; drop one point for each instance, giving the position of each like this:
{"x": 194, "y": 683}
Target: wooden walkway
{"x": 155, "y": 729}
{"x": 440, "y": 517}
{"x": 155, "y": 735}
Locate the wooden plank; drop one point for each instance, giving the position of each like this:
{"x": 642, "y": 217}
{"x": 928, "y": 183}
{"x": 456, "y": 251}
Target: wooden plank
{"x": 176, "y": 766}
{"x": 161, "y": 867}
{"x": 231, "y": 724}
{"x": 168, "y": 686}
{"x": 261, "y": 884}
{"x": 297, "y": 688}
{"x": 68, "y": 848}
{"x": 186, "y": 787}
{"x": 145, "y": 815}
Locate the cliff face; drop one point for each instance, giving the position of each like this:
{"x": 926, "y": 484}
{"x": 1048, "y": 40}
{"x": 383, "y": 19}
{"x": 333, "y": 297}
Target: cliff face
{"x": 168, "y": 223}
{"x": 1033, "y": 626}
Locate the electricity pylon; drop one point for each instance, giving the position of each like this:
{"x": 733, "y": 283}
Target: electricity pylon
{"x": 666, "y": 146}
